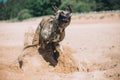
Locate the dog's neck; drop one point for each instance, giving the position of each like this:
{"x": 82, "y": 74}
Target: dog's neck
{"x": 59, "y": 27}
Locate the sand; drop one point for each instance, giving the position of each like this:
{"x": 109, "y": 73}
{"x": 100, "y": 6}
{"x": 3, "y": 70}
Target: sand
{"x": 91, "y": 50}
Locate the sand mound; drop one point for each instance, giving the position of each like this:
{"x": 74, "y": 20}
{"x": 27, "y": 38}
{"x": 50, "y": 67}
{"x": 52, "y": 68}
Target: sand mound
{"x": 66, "y": 62}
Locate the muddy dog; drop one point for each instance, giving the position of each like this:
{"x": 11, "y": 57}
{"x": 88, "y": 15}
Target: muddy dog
{"x": 50, "y": 32}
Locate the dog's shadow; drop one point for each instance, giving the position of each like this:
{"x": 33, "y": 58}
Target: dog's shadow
{"x": 49, "y": 54}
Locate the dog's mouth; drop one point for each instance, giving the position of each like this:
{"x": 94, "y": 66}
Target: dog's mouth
{"x": 64, "y": 18}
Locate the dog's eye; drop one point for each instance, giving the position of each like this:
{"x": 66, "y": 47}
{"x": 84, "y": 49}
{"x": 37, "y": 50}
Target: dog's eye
{"x": 67, "y": 14}
{"x": 62, "y": 14}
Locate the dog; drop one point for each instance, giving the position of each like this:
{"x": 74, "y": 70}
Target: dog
{"x": 51, "y": 30}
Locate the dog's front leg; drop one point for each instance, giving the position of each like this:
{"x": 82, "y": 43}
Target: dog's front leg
{"x": 59, "y": 48}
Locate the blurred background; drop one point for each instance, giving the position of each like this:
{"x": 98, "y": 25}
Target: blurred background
{"x": 23, "y": 9}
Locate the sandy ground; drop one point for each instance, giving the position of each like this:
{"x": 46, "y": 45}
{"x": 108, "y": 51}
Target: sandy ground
{"x": 93, "y": 41}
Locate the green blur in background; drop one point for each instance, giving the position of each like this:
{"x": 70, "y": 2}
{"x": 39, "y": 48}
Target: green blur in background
{"x": 23, "y": 9}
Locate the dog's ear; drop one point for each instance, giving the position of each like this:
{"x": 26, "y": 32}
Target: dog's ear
{"x": 69, "y": 8}
{"x": 54, "y": 7}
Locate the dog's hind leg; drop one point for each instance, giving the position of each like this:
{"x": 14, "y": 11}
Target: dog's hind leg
{"x": 20, "y": 59}
{"x": 31, "y": 51}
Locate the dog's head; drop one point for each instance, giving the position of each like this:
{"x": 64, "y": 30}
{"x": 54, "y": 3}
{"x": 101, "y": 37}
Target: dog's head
{"x": 63, "y": 16}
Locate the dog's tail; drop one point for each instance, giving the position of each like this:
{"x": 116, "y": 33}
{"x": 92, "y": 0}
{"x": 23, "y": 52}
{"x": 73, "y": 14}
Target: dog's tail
{"x": 29, "y": 46}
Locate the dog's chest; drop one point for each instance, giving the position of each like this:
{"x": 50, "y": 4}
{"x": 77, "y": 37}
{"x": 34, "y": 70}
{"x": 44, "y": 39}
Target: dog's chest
{"x": 50, "y": 31}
